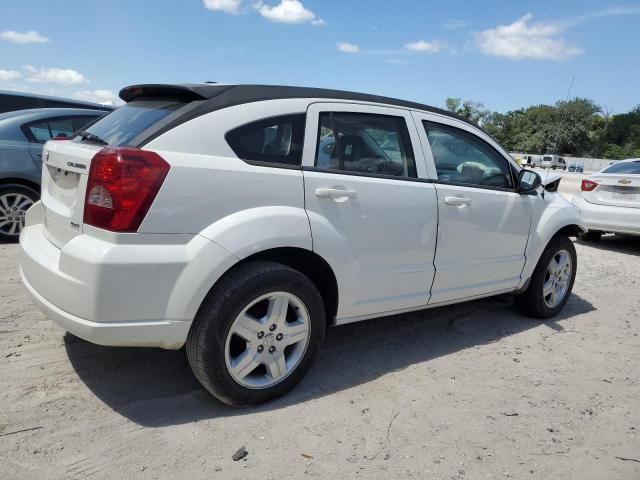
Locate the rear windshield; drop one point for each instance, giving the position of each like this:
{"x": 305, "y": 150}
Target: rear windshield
{"x": 124, "y": 124}
{"x": 624, "y": 167}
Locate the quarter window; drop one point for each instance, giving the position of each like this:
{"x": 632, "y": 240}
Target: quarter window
{"x": 274, "y": 140}
{"x": 64, "y": 127}
{"x": 463, "y": 158}
{"x": 365, "y": 143}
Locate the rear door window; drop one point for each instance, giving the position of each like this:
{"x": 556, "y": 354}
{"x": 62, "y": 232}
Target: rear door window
{"x": 365, "y": 143}
{"x": 124, "y": 124}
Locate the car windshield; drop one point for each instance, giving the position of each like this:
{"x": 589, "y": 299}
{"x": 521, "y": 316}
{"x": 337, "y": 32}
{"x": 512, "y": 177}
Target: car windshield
{"x": 632, "y": 168}
{"x": 121, "y": 126}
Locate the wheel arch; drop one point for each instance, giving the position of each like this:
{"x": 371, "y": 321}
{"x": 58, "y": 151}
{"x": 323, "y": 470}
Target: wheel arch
{"x": 20, "y": 181}
{"x": 310, "y": 264}
{"x": 562, "y": 220}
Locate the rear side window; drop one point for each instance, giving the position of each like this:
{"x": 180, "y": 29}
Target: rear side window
{"x": 273, "y": 140}
{"x": 632, "y": 168}
{"x": 365, "y": 143}
{"x": 121, "y": 126}
{"x": 39, "y": 132}
{"x": 62, "y": 127}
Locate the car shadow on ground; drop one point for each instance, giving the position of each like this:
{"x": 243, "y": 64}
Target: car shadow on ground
{"x": 626, "y": 244}
{"x": 154, "y": 387}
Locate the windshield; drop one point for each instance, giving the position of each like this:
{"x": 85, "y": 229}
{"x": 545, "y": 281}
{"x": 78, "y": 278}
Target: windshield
{"x": 121, "y": 126}
{"x": 632, "y": 168}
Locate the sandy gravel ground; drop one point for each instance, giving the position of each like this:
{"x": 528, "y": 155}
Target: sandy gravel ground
{"x": 470, "y": 392}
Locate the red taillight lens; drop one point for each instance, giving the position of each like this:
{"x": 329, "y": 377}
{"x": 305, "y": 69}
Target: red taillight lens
{"x": 588, "y": 185}
{"x": 123, "y": 182}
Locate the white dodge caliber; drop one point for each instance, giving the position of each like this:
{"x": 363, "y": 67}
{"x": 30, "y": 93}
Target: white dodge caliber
{"x": 244, "y": 220}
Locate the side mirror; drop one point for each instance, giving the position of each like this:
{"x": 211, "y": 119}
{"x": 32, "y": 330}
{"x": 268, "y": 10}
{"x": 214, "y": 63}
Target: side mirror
{"x": 528, "y": 181}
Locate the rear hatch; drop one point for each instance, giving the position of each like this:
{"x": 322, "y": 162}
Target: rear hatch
{"x": 617, "y": 185}
{"x": 67, "y": 163}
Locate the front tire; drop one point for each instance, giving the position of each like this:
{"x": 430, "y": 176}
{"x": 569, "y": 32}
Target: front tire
{"x": 15, "y": 200}
{"x": 552, "y": 280}
{"x": 256, "y": 334}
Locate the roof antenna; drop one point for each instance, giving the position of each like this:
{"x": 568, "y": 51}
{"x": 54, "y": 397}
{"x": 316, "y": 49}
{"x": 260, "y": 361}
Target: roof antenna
{"x": 556, "y": 146}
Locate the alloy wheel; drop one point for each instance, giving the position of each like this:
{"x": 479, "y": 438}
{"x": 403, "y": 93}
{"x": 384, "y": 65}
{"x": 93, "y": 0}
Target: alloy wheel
{"x": 267, "y": 340}
{"x": 13, "y": 208}
{"x": 557, "y": 278}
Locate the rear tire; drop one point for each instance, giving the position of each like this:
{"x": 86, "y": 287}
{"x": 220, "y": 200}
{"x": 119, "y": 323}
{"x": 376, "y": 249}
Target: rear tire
{"x": 222, "y": 348}
{"x": 548, "y": 291}
{"x": 15, "y": 200}
{"x": 592, "y": 236}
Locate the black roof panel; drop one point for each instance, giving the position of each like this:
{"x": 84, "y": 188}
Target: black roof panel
{"x": 212, "y": 97}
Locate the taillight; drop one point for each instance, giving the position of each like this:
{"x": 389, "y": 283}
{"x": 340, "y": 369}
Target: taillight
{"x": 123, "y": 182}
{"x": 588, "y": 185}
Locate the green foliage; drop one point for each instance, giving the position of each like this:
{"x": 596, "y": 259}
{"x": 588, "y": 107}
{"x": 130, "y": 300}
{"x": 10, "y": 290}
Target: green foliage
{"x": 575, "y": 127}
{"x": 473, "y": 111}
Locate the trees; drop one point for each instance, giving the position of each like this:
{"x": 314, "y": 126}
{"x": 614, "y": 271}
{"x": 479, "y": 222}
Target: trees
{"x": 473, "y": 111}
{"x": 575, "y": 127}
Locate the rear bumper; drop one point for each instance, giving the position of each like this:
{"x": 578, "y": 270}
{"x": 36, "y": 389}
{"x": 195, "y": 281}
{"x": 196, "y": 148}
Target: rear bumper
{"x": 121, "y": 294}
{"x": 169, "y": 335}
{"x": 608, "y": 218}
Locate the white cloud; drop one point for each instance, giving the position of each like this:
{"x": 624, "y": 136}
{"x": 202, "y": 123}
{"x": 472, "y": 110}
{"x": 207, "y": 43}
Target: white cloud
{"x": 23, "y": 37}
{"x": 63, "y": 76}
{"x": 607, "y": 12}
{"x": 346, "y": 47}
{"x": 227, "y": 6}
{"x": 526, "y": 39}
{"x": 455, "y": 24}
{"x": 288, "y": 11}
{"x": 422, "y": 46}
{"x": 319, "y": 22}
{"x": 8, "y": 75}
{"x": 106, "y": 97}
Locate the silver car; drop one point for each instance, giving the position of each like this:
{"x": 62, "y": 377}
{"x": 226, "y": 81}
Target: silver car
{"x": 22, "y": 135}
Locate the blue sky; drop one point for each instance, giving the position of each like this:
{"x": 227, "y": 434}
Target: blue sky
{"x": 506, "y": 54}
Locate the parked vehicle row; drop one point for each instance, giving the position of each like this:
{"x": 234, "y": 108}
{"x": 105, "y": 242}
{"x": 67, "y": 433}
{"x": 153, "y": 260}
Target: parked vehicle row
{"x": 244, "y": 220}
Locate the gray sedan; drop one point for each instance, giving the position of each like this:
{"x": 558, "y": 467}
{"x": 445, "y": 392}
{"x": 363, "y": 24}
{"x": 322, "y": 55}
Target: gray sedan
{"x": 22, "y": 135}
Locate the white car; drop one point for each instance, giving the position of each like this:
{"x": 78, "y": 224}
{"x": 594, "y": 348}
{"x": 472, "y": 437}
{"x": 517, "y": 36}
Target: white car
{"x": 551, "y": 161}
{"x": 200, "y": 215}
{"x": 610, "y": 200}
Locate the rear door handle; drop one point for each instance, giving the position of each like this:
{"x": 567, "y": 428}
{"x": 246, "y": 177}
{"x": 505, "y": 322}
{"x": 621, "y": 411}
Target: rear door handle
{"x": 338, "y": 194}
{"x": 457, "y": 201}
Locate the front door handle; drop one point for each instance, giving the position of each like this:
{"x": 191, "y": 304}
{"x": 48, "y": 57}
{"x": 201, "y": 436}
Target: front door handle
{"x": 338, "y": 194}
{"x": 457, "y": 201}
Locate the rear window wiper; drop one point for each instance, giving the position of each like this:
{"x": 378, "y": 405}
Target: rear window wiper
{"x": 91, "y": 137}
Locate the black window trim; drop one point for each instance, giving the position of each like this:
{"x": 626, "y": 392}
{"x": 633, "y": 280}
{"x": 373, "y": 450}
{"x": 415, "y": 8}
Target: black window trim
{"x": 302, "y": 117}
{"x": 512, "y": 172}
{"x": 407, "y": 140}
